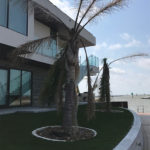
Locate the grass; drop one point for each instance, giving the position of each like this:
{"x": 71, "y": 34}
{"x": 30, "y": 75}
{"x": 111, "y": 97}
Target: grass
{"x": 15, "y": 131}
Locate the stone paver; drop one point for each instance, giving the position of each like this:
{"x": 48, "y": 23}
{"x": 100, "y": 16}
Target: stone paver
{"x": 145, "y": 119}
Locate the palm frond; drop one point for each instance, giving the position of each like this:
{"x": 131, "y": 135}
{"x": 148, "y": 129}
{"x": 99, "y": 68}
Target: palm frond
{"x": 129, "y": 57}
{"x": 95, "y": 82}
{"x": 85, "y": 13}
{"x": 107, "y": 8}
{"x": 91, "y": 103}
{"x": 77, "y": 16}
{"x": 53, "y": 87}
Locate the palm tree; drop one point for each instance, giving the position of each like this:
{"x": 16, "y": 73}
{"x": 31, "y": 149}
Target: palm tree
{"x": 66, "y": 76}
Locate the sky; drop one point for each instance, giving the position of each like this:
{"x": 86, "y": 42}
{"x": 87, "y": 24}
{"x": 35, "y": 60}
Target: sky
{"x": 120, "y": 33}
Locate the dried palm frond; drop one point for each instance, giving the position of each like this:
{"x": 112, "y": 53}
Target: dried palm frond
{"x": 85, "y": 13}
{"x": 91, "y": 101}
{"x": 104, "y": 9}
{"x": 52, "y": 91}
{"x": 129, "y": 57}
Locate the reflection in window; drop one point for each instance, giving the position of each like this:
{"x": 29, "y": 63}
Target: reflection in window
{"x": 3, "y": 86}
{"x": 18, "y": 16}
{"x": 3, "y": 12}
{"x": 14, "y": 90}
{"x": 20, "y": 88}
{"x": 26, "y": 88}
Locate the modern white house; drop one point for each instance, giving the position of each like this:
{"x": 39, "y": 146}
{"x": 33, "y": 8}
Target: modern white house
{"x": 20, "y": 22}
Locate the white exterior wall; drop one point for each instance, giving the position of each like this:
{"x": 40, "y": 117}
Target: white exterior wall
{"x": 37, "y": 30}
{"x": 40, "y": 30}
{"x": 13, "y": 38}
{"x": 134, "y": 139}
{"x": 66, "y": 19}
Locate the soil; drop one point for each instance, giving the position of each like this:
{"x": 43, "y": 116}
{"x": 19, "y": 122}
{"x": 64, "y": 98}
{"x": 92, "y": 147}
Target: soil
{"x": 58, "y": 133}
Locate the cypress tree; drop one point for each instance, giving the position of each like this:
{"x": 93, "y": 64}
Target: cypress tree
{"x": 105, "y": 85}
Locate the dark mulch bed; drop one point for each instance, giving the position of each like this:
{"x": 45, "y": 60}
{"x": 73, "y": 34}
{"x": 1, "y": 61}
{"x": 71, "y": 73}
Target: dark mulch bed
{"x": 58, "y": 133}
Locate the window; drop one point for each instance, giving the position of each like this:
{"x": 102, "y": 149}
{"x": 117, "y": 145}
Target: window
{"x": 18, "y": 16}
{"x": 20, "y": 88}
{"x": 14, "y": 89}
{"x": 26, "y": 88}
{"x": 3, "y": 86}
{"x": 3, "y": 12}
{"x": 15, "y": 15}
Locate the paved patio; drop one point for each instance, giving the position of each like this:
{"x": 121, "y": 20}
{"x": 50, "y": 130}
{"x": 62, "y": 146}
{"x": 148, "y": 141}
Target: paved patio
{"x": 145, "y": 118}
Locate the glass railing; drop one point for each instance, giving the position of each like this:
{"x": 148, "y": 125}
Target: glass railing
{"x": 48, "y": 49}
{"x": 93, "y": 62}
{"x": 51, "y": 49}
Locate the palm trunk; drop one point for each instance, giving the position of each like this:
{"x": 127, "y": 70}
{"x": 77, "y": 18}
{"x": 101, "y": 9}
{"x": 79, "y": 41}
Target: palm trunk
{"x": 70, "y": 106}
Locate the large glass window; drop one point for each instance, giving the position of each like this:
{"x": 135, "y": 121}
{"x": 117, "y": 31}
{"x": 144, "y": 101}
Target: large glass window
{"x": 18, "y": 16}
{"x": 3, "y": 86}
{"x": 3, "y": 12}
{"x": 15, "y": 87}
{"x": 19, "y": 91}
{"x": 26, "y": 88}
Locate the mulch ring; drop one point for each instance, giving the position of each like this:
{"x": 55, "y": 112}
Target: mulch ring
{"x": 57, "y": 133}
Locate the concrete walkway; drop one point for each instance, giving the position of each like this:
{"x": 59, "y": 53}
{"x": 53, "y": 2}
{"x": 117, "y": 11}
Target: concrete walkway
{"x": 11, "y": 110}
{"x": 24, "y": 109}
{"x": 145, "y": 119}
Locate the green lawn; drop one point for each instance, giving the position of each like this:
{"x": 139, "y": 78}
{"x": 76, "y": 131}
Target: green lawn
{"x": 15, "y": 131}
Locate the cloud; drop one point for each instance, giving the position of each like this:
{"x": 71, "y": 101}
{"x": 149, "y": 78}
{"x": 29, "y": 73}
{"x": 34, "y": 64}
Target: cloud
{"x": 115, "y": 46}
{"x": 117, "y": 70}
{"x": 65, "y": 6}
{"x": 125, "y": 36}
{"x": 100, "y": 46}
{"x": 144, "y": 63}
{"x": 127, "y": 83}
{"x": 148, "y": 41}
{"x": 132, "y": 43}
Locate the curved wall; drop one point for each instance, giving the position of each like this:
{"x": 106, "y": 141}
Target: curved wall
{"x": 134, "y": 139}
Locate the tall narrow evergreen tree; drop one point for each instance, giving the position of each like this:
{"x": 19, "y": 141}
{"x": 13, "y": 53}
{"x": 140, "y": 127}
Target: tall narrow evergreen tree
{"x": 105, "y": 85}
